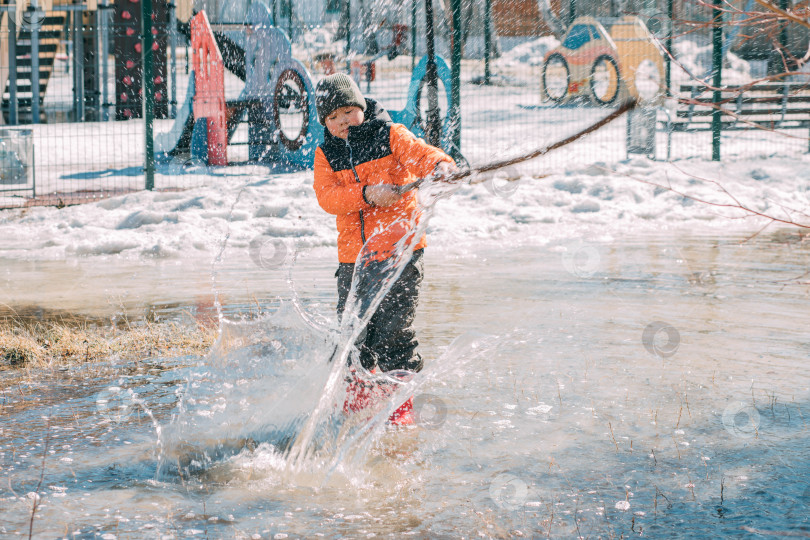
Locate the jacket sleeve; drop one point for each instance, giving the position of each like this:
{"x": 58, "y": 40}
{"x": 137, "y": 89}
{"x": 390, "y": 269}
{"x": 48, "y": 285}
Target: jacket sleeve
{"x": 416, "y": 155}
{"x": 333, "y": 197}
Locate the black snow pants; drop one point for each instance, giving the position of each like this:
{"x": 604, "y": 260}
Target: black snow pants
{"x": 389, "y": 340}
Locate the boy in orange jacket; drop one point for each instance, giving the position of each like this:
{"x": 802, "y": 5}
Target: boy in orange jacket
{"x": 363, "y": 158}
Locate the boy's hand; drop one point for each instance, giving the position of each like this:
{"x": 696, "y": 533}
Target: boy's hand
{"x": 444, "y": 168}
{"x": 381, "y": 195}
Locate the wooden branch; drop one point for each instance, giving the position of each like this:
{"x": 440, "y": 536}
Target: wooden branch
{"x": 495, "y": 165}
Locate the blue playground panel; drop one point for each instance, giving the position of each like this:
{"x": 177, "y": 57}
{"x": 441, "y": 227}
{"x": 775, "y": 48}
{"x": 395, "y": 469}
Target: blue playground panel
{"x": 407, "y": 116}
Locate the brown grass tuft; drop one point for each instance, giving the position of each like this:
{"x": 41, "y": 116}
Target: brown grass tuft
{"x": 37, "y": 345}
{"x": 18, "y": 350}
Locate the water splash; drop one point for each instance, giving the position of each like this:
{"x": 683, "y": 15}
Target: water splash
{"x": 377, "y": 268}
{"x": 278, "y": 385}
{"x": 258, "y": 384}
{"x": 223, "y": 246}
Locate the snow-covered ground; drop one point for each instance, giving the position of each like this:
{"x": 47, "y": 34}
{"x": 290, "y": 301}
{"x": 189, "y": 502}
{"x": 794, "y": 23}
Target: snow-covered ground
{"x": 590, "y": 185}
{"x": 563, "y": 195}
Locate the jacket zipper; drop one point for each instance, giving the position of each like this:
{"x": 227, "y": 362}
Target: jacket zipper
{"x": 357, "y": 178}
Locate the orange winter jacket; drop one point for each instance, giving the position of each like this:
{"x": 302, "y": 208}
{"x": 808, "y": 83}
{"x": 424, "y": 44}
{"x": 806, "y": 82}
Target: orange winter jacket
{"x": 376, "y": 152}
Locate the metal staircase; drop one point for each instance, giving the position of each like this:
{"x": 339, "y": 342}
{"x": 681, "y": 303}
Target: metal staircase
{"x": 50, "y": 33}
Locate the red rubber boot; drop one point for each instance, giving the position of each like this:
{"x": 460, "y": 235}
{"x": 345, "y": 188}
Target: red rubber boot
{"x": 359, "y": 394}
{"x": 403, "y": 416}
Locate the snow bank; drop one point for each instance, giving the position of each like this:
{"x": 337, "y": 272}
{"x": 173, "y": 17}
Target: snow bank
{"x": 696, "y": 63}
{"x": 599, "y": 199}
{"x": 530, "y": 53}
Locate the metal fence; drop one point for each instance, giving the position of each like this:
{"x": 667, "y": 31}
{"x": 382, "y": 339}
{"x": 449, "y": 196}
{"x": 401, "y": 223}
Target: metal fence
{"x": 82, "y": 136}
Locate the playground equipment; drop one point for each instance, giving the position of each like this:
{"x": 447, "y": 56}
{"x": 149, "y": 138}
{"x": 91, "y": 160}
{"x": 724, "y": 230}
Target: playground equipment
{"x": 593, "y": 64}
{"x": 278, "y": 100}
{"x": 17, "y": 173}
{"x": 209, "y": 109}
{"x": 129, "y": 63}
{"x": 35, "y": 33}
{"x": 283, "y": 124}
{"x": 411, "y": 115}
{"x": 31, "y": 39}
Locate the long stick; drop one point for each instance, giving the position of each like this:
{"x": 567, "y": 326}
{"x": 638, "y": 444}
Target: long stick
{"x": 546, "y": 149}
{"x": 495, "y": 165}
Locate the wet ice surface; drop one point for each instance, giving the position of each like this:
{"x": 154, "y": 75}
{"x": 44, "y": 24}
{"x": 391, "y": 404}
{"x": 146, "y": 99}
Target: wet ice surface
{"x": 656, "y": 389}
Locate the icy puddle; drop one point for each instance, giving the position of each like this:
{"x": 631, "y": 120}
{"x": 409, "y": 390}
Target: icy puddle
{"x": 656, "y": 388}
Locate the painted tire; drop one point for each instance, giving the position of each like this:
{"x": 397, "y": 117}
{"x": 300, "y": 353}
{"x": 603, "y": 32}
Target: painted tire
{"x": 604, "y": 80}
{"x": 556, "y": 78}
{"x": 291, "y": 92}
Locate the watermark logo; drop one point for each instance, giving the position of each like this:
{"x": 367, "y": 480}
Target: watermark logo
{"x": 647, "y": 81}
{"x": 269, "y": 252}
{"x": 661, "y": 339}
{"x": 741, "y": 420}
{"x": 430, "y": 412}
{"x": 509, "y": 491}
{"x": 30, "y": 18}
{"x": 657, "y": 23}
{"x": 581, "y": 260}
{"x": 503, "y": 182}
{"x": 115, "y": 404}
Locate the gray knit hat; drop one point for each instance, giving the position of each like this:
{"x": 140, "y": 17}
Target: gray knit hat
{"x": 336, "y": 91}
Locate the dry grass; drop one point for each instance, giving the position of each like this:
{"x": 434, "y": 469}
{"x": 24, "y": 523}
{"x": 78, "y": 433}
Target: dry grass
{"x": 48, "y": 345}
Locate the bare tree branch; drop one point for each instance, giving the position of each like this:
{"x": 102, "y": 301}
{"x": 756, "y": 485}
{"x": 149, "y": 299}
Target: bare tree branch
{"x": 782, "y": 13}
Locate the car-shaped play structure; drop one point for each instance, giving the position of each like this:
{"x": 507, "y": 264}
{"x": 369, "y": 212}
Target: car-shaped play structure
{"x": 592, "y": 64}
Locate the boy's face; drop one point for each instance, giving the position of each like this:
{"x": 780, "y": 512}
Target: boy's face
{"x": 339, "y": 120}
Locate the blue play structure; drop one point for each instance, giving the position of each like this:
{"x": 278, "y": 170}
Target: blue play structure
{"x": 278, "y": 103}
{"x": 410, "y": 115}
{"x": 282, "y": 85}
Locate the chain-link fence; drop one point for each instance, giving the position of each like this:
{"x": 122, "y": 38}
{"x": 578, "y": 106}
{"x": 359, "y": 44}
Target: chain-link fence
{"x": 527, "y": 75}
